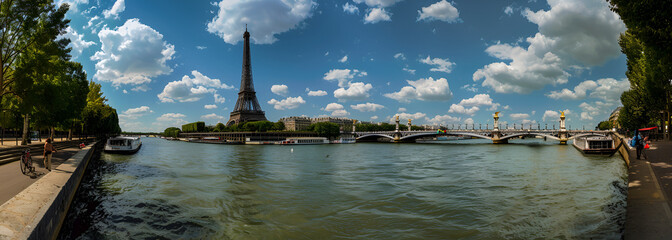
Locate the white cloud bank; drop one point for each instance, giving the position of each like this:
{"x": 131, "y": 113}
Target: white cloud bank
{"x": 554, "y": 48}
{"x": 424, "y": 89}
{"x": 442, "y": 11}
{"x": 287, "y": 103}
{"x": 281, "y": 90}
{"x": 132, "y": 54}
{"x": 265, "y": 19}
{"x": 191, "y": 89}
{"x": 118, "y": 7}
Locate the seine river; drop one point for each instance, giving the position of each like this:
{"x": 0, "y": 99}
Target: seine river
{"x": 465, "y": 189}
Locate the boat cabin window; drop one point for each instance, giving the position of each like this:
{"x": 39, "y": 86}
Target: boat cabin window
{"x": 599, "y": 144}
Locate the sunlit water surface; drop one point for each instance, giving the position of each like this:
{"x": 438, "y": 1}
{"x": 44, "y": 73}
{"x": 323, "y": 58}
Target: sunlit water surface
{"x": 469, "y": 189}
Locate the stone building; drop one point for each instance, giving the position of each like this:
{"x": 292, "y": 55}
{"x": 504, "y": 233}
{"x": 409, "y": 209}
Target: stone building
{"x": 296, "y": 123}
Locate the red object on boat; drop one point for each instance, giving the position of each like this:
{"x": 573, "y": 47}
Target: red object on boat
{"x": 647, "y": 129}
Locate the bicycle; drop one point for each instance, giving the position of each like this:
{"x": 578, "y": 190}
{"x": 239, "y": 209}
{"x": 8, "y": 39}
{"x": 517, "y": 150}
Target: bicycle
{"x": 26, "y": 162}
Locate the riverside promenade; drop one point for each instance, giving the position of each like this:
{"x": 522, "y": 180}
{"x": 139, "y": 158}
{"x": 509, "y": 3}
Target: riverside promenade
{"x": 13, "y": 181}
{"x": 649, "y": 191}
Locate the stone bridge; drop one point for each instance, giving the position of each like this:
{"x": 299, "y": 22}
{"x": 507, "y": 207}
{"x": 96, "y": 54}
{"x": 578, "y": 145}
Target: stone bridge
{"x": 495, "y": 134}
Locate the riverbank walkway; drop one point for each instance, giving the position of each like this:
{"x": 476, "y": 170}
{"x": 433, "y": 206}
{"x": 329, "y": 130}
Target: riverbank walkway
{"x": 12, "y": 181}
{"x": 649, "y": 191}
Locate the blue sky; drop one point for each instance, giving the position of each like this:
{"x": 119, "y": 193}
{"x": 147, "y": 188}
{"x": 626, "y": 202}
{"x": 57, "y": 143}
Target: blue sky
{"x": 166, "y": 63}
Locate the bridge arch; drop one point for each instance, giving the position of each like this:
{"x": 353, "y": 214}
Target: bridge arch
{"x": 373, "y": 136}
{"x": 421, "y": 135}
{"x": 530, "y": 134}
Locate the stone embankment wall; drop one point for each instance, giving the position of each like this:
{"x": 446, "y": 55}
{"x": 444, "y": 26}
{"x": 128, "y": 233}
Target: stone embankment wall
{"x": 39, "y": 210}
{"x": 623, "y": 147}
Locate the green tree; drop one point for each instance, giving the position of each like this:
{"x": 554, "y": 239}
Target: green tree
{"x": 648, "y": 48}
{"x": 604, "y": 125}
{"x": 325, "y": 129}
{"x": 25, "y": 24}
{"x": 220, "y": 127}
{"x": 98, "y": 117}
{"x": 171, "y": 132}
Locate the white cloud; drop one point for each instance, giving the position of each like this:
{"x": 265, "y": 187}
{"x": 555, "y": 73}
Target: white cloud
{"x": 553, "y": 116}
{"x": 373, "y": 118}
{"x": 337, "y": 110}
{"x": 411, "y": 71}
{"x": 508, "y": 10}
{"x": 287, "y": 103}
{"x": 281, "y": 90}
{"x": 340, "y": 113}
{"x": 400, "y": 56}
{"x": 343, "y": 76}
{"x": 201, "y": 47}
{"x": 471, "y": 105}
{"x": 141, "y": 88}
{"x": 555, "y": 47}
{"x": 317, "y": 93}
{"x": 589, "y": 22}
{"x": 117, "y": 8}
{"x": 344, "y": 59}
{"x": 132, "y": 54}
{"x": 134, "y": 113}
{"x": 606, "y": 89}
{"x": 424, "y": 89}
{"x": 265, "y": 19}
{"x": 210, "y": 106}
{"x": 355, "y": 91}
{"x": 405, "y": 116}
{"x": 442, "y": 65}
{"x": 442, "y": 10}
{"x": 470, "y": 87}
{"x": 401, "y": 109}
{"x": 443, "y": 119}
{"x": 124, "y": 91}
{"x": 219, "y": 99}
{"x": 610, "y": 89}
{"x": 525, "y": 73}
{"x": 333, "y": 107}
{"x": 519, "y": 116}
{"x": 376, "y": 15}
{"x": 77, "y": 42}
{"x": 168, "y": 117}
{"x": 212, "y": 117}
{"x": 191, "y": 89}
{"x": 350, "y": 8}
{"x": 367, "y": 107}
{"x": 579, "y": 91}
{"x": 455, "y": 108}
{"x": 469, "y": 121}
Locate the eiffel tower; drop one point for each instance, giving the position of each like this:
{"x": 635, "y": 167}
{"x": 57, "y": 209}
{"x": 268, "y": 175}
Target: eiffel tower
{"x": 247, "y": 107}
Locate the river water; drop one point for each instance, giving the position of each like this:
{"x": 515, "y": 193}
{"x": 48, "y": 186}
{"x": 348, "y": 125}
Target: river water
{"x": 465, "y": 189}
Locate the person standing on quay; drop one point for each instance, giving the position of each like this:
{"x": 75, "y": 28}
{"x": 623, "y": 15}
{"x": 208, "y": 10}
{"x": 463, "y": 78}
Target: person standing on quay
{"x": 637, "y": 141}
{"x": 48, "y": 150}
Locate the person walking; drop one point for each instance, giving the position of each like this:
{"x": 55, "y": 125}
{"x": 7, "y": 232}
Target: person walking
{"x": 638, "y": 143}
{"x": 48, "y": 150}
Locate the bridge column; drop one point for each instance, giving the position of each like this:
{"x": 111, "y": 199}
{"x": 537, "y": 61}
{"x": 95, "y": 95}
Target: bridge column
{"x": 397, "y": 134}
{"x": 409, "y": 124}
{"x": 354, "y": 122}
{"x": 562, "y": 134}
{"x": 496, "y": 135}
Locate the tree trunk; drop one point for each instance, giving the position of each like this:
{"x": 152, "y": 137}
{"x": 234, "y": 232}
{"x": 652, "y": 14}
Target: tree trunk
{"x": 70, "y": 135}
{"x": 51, "y": 133}
{"x": 25, "y": 139}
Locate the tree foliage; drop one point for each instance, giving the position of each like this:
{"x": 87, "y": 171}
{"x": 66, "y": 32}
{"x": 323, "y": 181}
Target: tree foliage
{"x": 325, "y": 129}
{"x": 194, "y": 127}
{"x": 171, "y": 132}
{"x": 604, "y": 125}
{"x": 97, "y": 116}
{"x": 648, "y": 46}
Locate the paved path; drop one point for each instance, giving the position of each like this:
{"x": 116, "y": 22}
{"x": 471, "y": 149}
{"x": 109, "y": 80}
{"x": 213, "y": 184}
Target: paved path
{"x": 12, "y": 142}
{"x": 12, "y": 181}
{"x": 649, "y": 192}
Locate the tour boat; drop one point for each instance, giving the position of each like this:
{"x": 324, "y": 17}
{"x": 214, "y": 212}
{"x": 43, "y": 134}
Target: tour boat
{"x": 125, "y": 145}
{"x": 595, "y": 145}
{"x": 304, "y": 141}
